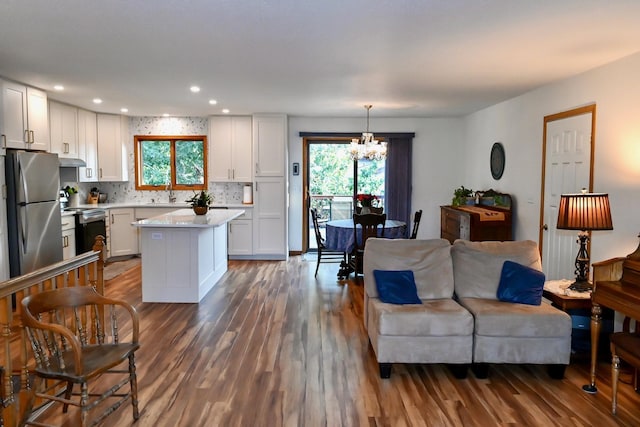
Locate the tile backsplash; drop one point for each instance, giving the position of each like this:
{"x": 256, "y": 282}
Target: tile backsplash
{"x": 121, "y": 192}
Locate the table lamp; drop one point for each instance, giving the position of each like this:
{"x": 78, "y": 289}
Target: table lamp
{"x": 585, "y": 212}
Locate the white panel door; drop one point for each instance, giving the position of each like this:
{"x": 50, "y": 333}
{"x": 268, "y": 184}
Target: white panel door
{"x": 567, "y": 170}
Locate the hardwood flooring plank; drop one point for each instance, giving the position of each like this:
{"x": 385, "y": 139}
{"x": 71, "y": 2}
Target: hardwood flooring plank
{"x": 271, "y": 345}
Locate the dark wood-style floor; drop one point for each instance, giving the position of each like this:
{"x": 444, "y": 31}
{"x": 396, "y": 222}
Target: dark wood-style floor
{"x": 272, "y": 346}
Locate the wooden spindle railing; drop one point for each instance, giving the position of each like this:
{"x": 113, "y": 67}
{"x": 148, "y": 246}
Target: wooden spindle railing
{"x": 15, "y": 356}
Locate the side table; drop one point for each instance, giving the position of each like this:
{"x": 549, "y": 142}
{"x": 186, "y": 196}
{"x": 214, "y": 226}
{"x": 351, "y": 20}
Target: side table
{"x": 556, "y": 292}
{"x": 578, "y": 306}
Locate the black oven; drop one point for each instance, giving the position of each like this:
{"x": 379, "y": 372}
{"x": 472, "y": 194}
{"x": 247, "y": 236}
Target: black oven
{"x": 89, "y": 224}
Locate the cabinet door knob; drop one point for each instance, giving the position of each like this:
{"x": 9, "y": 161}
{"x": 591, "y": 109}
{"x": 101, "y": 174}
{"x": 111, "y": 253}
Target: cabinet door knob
{"x": 545, "y": 227}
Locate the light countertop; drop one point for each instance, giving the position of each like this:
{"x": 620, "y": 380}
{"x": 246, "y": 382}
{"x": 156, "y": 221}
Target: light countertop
{"x": 186, "y": 218}
{"x": 176, "y": 205}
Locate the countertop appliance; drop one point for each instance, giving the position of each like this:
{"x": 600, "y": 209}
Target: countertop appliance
{"x": 33, "y": 210}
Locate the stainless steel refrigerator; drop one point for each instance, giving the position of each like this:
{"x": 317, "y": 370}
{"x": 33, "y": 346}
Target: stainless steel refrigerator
{"x": 33, "y": 210}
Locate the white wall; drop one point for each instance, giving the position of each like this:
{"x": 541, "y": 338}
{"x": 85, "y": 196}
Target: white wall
{"x": 517, "y": 123}
{"x": 437, "y": 163}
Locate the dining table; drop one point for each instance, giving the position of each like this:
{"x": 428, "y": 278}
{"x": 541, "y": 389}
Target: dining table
{"x": 339, "y": 236}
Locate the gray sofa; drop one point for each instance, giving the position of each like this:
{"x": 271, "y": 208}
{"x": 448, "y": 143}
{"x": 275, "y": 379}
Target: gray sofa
{"x": 460, "y": 322}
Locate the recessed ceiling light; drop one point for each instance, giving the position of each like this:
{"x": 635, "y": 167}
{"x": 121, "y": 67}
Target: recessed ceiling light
{"x": 165, "y": 115}
{"x": 213, "y": 102}
{"x": 225, "y": 111}
{"x": 124, "y": 110}
{"x": 58, "y": 87}
{"x": 97, "y": 101}
{"x": 194, "y": 89}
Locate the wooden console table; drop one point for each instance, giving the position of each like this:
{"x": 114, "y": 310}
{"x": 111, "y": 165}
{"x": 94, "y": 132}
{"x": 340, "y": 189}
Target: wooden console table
{"x": 616, "y": 286}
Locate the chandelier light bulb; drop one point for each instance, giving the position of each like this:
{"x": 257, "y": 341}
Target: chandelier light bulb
{"x": 367, "y": 147}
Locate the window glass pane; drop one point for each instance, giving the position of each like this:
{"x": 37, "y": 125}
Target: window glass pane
{"x": 189, "y": 162}
{"x": 371, "y": 177}
{"x": 156, "y": 162}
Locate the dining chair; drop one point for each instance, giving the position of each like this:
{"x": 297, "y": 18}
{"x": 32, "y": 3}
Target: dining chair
{"x": 369, "y": 228}
{"x": 324, "y": 254}
{"x": 372, "y": 210}
{"x": 74, "y": 335}
{"x": 625, "y": 345}
{"x": 416, "y": 223}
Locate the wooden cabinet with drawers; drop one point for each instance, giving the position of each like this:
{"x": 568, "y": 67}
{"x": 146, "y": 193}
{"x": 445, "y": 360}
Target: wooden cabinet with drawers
{"x": 476, "y": 223}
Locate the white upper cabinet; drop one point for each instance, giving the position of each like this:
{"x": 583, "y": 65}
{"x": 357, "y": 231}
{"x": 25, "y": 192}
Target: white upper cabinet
{"x": 113, "y": 131}
{"x": 269, "y": 144}
{"x": 230, "y": 149}
{"x": 88, "y": 145}
{"x": 63, "y": 127}
{"x": 24, "y": 118}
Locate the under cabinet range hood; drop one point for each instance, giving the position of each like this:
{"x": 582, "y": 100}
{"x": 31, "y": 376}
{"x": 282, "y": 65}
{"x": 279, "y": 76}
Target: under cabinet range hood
{"x": 71, "y": 163}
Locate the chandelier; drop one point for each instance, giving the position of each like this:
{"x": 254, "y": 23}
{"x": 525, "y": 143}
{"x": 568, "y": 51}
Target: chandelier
{"x": 366, "y": 147}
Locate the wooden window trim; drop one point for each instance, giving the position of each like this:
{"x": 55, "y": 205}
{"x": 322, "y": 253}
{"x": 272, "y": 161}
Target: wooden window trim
{"x": 172, "y": 138}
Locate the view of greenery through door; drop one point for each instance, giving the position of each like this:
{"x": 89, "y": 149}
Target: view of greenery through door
{"x": 331, "y": 181}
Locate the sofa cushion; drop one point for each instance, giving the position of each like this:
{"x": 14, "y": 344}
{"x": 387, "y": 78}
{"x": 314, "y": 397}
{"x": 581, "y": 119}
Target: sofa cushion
{"x": 504, "y": 319}
{"x": 396, "y": 287}
{"x": 429, "y": 260}
{"x": 436, "y": 317}
{"x": 520, "y": 284}
{"x": 477, "y": 266}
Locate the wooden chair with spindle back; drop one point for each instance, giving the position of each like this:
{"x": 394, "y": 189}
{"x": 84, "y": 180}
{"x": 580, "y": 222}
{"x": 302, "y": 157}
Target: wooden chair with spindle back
{"x": 369, "y": 228}
{"x": 74, "y": 335}
{"x": 324, "y": 254}
{"x": 416, "y": 223}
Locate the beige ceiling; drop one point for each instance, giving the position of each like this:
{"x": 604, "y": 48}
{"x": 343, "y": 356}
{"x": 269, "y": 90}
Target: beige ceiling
{"x": 412, "y": 58}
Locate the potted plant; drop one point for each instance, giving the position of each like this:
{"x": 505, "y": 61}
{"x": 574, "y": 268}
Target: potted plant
{"x": 462, "y": 196}
{"x": 366, "y": 202}
{"x": 200, "y": 202}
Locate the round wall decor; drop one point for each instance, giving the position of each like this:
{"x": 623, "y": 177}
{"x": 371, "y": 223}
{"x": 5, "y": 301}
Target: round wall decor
{"x": 497, "y": 160}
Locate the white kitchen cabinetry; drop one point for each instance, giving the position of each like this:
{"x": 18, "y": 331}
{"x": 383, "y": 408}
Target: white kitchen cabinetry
{"x": 269, "y": 144}
{"x": 241, "y": 235}
{"x": 270, "y": 186}
{"x": 68, "y": 237}
{"x": 269, "y": 219}
{"x": 88, "y": 145}
{"x": 113, "y": 132}
{"x": 63, "y": 128}
{"x": 230, "y": 149}
{"x": 122, "y": 237}
{"x": 24, "y": 119}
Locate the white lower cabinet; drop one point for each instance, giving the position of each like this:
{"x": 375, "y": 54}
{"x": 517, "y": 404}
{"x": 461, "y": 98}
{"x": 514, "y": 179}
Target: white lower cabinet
{"x": 68, "y": 237}
{"x": 122, "y": 237}
{"x": 269, "y": 219}
{"x": 241, "y": 235}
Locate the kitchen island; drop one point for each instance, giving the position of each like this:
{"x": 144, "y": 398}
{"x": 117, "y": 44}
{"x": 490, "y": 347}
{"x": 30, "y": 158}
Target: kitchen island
{"x": 183, "y": 254}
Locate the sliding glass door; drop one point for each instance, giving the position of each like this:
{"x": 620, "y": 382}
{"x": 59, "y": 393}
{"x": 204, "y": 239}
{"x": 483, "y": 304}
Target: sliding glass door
{"x": 334, "y": 180}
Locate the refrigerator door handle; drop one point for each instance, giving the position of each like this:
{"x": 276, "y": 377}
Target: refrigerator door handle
{"x": 22, "y": 179}
{"x": 24, "y": 228}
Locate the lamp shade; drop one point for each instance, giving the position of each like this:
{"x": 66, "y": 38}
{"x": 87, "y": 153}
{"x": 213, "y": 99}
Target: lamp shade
{"x": 584, "y": 211}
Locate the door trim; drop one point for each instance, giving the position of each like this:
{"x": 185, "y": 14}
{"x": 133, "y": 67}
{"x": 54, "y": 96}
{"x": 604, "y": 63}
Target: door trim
{"x": 591, "y": 108}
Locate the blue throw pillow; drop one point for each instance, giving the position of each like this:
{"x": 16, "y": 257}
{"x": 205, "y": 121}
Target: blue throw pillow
{"x": 396, "y": 287}
{"x": 520, "y": 284}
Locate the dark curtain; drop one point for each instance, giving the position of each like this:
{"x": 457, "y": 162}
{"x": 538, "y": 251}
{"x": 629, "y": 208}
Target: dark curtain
{"x": 398, "y": 181}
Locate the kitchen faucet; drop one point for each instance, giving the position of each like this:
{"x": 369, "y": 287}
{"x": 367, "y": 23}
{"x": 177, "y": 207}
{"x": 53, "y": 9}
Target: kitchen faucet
{"x": 172, "y": 196}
